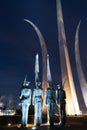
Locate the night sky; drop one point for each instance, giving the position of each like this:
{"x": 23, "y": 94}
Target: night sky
{"x": 19, "y": 42}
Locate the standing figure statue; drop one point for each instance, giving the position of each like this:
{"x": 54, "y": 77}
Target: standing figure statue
{"x": 37, "y": 102}
{"x": 25, "y": 99}
{"x": 60, "y": 101}
{"x": 50, "y": 105}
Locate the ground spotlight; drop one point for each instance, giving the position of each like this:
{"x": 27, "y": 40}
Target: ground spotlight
{"x": 33, "y": 128}
{"x": 9, "y": 124}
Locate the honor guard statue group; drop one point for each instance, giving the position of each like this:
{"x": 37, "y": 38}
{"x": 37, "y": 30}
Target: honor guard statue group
{"x": 25, "y": 99}
{"x": 37, "y": 95}
{"x": 34, "y": 97}
{"x": 60, "y": 101}
{"x": 37, "y": 102}
{"x": 50, "y": 105}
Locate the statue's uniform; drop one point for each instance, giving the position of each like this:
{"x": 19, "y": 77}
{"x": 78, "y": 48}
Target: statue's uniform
{"x": 37, "y": 102}
{"x": 50, "y": 104}
{"x": 60, "y": 100}
{"x": 25, "y": 103}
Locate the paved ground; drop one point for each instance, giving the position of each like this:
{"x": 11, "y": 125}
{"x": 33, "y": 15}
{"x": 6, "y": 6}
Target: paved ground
{"x": 72, "y": 123}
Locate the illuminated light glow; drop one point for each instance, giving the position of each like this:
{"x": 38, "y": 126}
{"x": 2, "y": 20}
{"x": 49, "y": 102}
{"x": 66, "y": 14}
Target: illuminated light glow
{"x": 28, "y": 125}
{"x": 44, "y": 60}
{"x": 9, "y": 124}
{"x": 81, "y": 76}
{"x": 72, "y": 106}
{"x": 33, "y": 128}
{"x": 7, "y": 112}
{"x": 1, "y": 113}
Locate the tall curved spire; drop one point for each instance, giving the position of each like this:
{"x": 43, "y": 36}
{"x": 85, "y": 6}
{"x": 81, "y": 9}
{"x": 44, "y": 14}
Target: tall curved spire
{"x": 49, "y": 78}
{"x": 44, "y": 60}
{"x": 72, "y": 105}
{"x": 36, "y": 68}
{"x": 80, "y": 72}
